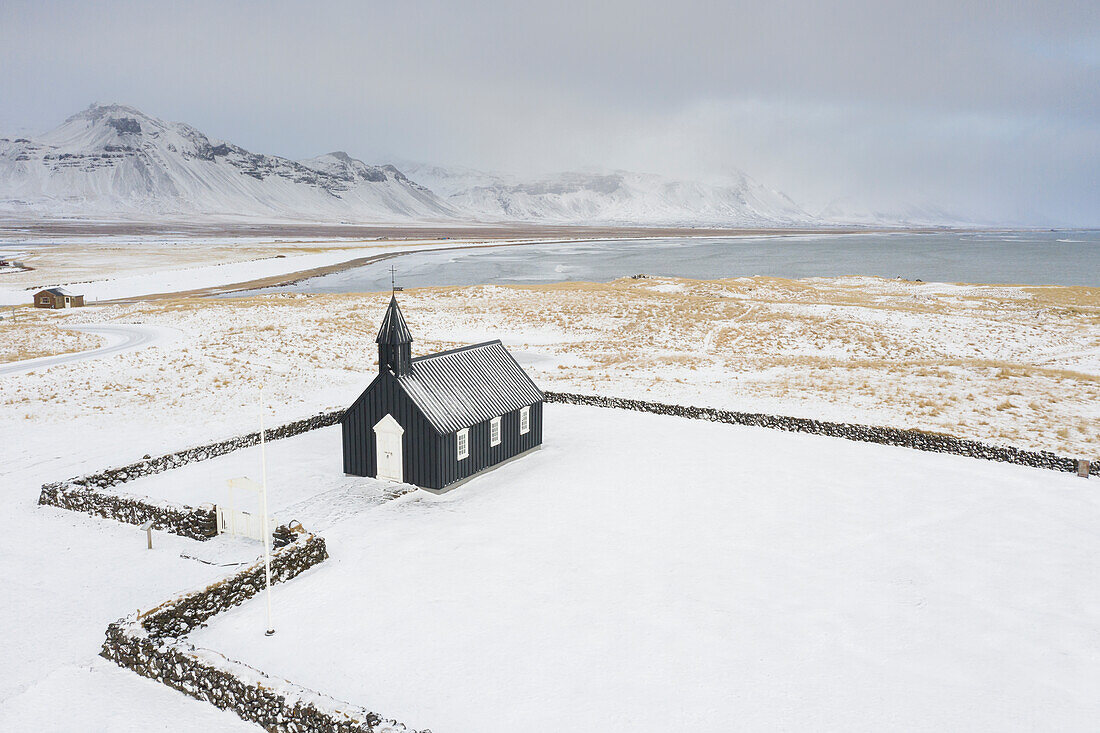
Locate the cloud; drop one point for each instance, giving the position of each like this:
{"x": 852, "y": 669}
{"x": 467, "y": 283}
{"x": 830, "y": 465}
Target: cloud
{"x": 989, "y": 109}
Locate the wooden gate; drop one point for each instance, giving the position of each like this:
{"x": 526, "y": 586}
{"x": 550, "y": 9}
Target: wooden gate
{"x": 242, "y": 524}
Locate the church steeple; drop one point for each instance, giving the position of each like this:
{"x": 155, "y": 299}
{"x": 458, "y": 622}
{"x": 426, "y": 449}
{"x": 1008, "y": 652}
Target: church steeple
{"x": 394, "y": 341}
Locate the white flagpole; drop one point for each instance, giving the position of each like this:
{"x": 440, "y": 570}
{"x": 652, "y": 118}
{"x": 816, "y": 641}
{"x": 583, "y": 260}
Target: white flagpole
{"x": 263, "y": 515}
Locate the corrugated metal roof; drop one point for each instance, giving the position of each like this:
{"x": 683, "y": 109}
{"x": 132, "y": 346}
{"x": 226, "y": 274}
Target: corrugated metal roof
{"x": 394, "y": 330}
{"x": 58, "y": 291}
{"x": 463, "y": 387}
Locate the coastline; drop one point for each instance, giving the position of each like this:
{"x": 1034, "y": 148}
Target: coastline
{"x": 283, "y": 239}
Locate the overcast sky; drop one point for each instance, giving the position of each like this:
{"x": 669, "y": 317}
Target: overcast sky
{"x": 990, "y": 109}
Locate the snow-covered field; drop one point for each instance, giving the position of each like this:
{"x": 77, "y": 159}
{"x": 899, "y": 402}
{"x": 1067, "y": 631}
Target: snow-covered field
{"x": 65, "y": 576}
{"x": 993, "y": 559}
{"x": 115, "y": 338}
{"x": 654, "y": 573}
{"x": 33, "y": 337}
{"x": 306, "y": 483}
{"x": 1015, "y": 365}
{"x": 123, "y": 268}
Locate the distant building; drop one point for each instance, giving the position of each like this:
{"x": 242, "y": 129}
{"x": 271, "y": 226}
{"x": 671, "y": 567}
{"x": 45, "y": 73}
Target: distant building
{"x": 57, "y": 298}
{"x": 436, "y": 420}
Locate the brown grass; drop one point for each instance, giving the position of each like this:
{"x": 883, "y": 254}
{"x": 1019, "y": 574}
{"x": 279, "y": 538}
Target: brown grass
{"x": 995, "y": 363}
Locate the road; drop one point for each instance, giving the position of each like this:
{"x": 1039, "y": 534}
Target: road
{"x": 120, "y": 338}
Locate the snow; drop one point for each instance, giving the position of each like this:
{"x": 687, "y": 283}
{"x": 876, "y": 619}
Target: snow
{"x": 305, "y": 483}
{"x": 614, "y": 197}
{"x": 191, "y": 278}
{"x": 66, "y": 576}
{"x": 1000, "y": 367}
{"x": 119, "y": 339}
{"x": 112, "y": 161}
{"x": 97, "y": 695}
{"x": 116, "y": 162}
{"x": 644, "y": 571}
{"x": 174, "y": 279}
{"x": 638, "y": 568}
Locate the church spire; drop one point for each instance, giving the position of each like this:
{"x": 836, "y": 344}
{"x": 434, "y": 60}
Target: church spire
{"x": 394, "y": 341}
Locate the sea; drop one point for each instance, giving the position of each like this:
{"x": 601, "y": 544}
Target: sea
{"x": 1023, "y": 257}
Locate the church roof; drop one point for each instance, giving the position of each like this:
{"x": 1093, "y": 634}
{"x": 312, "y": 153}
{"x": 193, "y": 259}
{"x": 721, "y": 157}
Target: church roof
{"x": 394, "y": 330}
{"x": 463, "y": 387}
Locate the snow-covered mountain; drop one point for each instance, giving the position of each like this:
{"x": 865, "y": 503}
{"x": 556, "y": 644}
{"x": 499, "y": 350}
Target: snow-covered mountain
{"x": 618, "y": 197}
{"x": 112, "y": 161}
{"x": 847, "y": 211}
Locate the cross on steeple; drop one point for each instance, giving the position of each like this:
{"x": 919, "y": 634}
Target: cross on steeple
{"x": 393, "y": 279}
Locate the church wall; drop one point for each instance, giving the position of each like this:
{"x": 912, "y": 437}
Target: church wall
{"x": 419, "y": 443}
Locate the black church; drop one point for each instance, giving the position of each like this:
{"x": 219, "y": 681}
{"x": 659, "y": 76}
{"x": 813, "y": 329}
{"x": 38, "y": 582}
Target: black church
{"x": 436, "y": 420}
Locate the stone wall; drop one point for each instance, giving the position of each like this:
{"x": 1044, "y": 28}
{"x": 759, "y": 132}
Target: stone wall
{"x": 147, "y": 466}
{"x": 920, "y": 440}
{"x": 199, "y": 523}
{"x": 91, "y": 494}
{"x": 180, "y": 615}
{"x": 273, "y": 703}
{"x": 152, "y": 645}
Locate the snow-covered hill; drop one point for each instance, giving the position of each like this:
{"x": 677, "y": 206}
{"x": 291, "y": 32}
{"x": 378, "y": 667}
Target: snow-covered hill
{"x": 112, "y": 161}
{"x": 848, "y": 211}
{"x": 618, "y": 197}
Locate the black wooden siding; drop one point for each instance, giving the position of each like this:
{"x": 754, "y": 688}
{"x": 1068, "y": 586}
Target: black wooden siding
{"x": 419, "y": 449}
{"x": 430, "y": 458}
{"x": 482, "y": 455}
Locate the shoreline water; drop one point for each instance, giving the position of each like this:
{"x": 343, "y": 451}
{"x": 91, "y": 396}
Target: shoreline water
{"x": 571, "y": 258}
{"x": 1003, "y": 258}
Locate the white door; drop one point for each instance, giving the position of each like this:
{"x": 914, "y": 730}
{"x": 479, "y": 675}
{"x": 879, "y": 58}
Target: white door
{"x": 388, "y": 435}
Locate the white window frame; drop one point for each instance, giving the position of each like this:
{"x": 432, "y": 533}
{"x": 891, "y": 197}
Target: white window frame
{"x": 524, "y": 420}
{"x": 462, "y": 443}
{"x": 494, "y": 431}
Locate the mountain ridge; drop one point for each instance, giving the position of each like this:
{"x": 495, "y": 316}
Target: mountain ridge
{"x": 611, "y": 197}
{"x": 114, "y": 160}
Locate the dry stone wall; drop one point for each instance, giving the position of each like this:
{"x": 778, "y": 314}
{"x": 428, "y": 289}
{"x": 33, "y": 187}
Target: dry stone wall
{"x": 113, "y": 476}
{"x": 152, "y": 645}
{"x": 919, "y": 440}
{"x": 92, "y": 494}
{"x": 274, "y": 704}
{"x": 200, "y": 523}
{"x": 181, "y": 615}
